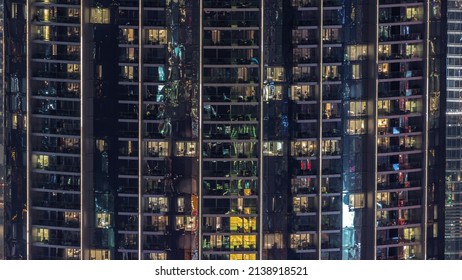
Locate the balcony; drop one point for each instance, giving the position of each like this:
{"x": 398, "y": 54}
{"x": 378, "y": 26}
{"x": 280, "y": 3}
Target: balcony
{"x": 400, "y": 186}
{"x": 399, "y": 131}
{"x": 53, "y": 242}
{"x": 240, "y": 4}
{"x": 226, "y": 23}
{"x": 58, "y": 168}
{"x": 400, "y": 74}
{"x": 57, "y": 112}
{"x": 71, "y": 150}
{"x": 69, "y": 38}
{"x": 230, "y": 211}
{"x": 397, "y": 223}
{"x": 61, "y": 205}
{"x": 56, "y": 224}
{"x": 398, "y": 167}
{"x": 388, "y": 149}
{"x": 386, "y": 18}
{"x": 67, "y": 21}
{"x": 393, "y": 94}
{"x": 400, "y": 37}
{"x": 401, "y": 204}
{"x": 332, "y": 3}
{"x": 62, "y": 2}
{"x": 39, "y": 186}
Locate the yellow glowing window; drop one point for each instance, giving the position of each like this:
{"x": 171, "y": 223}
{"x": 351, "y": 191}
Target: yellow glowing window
{"x": 235, "y": 257}
{"x": 40, "y": 234}
{"x": 71, "y": 217}
{"x": 129, "y": 34}
{"x": 157, "y": 256}
{"x": 40, "y": 161}
{"x": 274, "y": 240}
{"x": 240, "y": 257}
{"x": 187, "y": 149}
{"x": 357, "y": 52}
{"x": 103, "y": 220}
{"x": 15, "y": 121}
{"x": 100, "y": 16}
{"x": 273, "y": 148}
{"x": 356, "y": 201}
{"x": 128, "y": 72}
{"x": 46, "y": 33}
{"x": 157, "y": 36}
{"x": 100, "y": 254}
{"x": 72, "y": 12}
{"x": 356, "y": 127}
{"x": 73, "y": 68}
{"x": 73, "y": 254}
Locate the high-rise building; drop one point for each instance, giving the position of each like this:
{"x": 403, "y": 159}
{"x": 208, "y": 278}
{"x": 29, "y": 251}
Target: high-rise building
{"x": 453, "y": 203}
{"x": 2, "y": 151}
{"x": 241, "y": 129}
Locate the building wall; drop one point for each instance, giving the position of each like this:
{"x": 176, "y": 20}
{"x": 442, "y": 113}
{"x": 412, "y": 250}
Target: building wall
{"x": 225, "y": 129}
{"x": 453, "y": 206}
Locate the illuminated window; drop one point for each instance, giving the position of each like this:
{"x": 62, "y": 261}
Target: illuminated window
{"x": 40, "y": 161}
{"x": 356, "y": 201}
{"x": 157, "y": 36}
{"x": 331, "y": 35}
{"x": 273, "y": 241}
{"x": 180, "y": 204}
{"x": 72, "y": 12}
{"x": 239, "y": 257}
{"x": 301, "y": 204}
{"x": 130, "y": 54}
{"x": 157, "y": 204}
{"x": 240, "y": 242}
{"x": 414, "y": 13}
{"x": 186, "y": 223}
{"x": 272, "y": 92}
{"x": 71, "y": 218}
{"x": 73, "y": 87}
{"x": 301, "y": 241}
{"x": 356, "y": 71}
{"x": 40, "y": 235}
{"x": 384, "y": 51}
{"x": 216, "y": 36}
{"x": 414, "y": 50}
{"x": 44, "y": 32}
{"x": 185, "y": 149}
{"x": 245, "y": 225}
{"x": 357, "y": 108}
{"x": 273, "y": 148}
{"x": 14, "y": 10}
{"x": 330, "y": 73}
{"x": 157, "y": 256}
{"x": 14, "y": 117}
{"x": 100, "y": 16}
{"x": 72, "y": 254}
{"x": 157, "y": 149}
{"x": 156, "y": 223}
{"x": 275, "y": 74}
{"x": 331, "y": 147}
{"x": 128, "y": 72}
{"x": 103, "y": 220}
{"x": 96, "y": 254}
{"x": 129, "y": 35}
{"x": 303, "y": 149}
{"x": 73, "y": 68}
{"x": 357, "y": 52}
{"x": 356, "y": 127}
{"x": 303, "y": 93}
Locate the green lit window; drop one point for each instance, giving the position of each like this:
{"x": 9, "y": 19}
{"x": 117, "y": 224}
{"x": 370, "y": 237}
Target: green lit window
{"x": 100, "y": 16}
